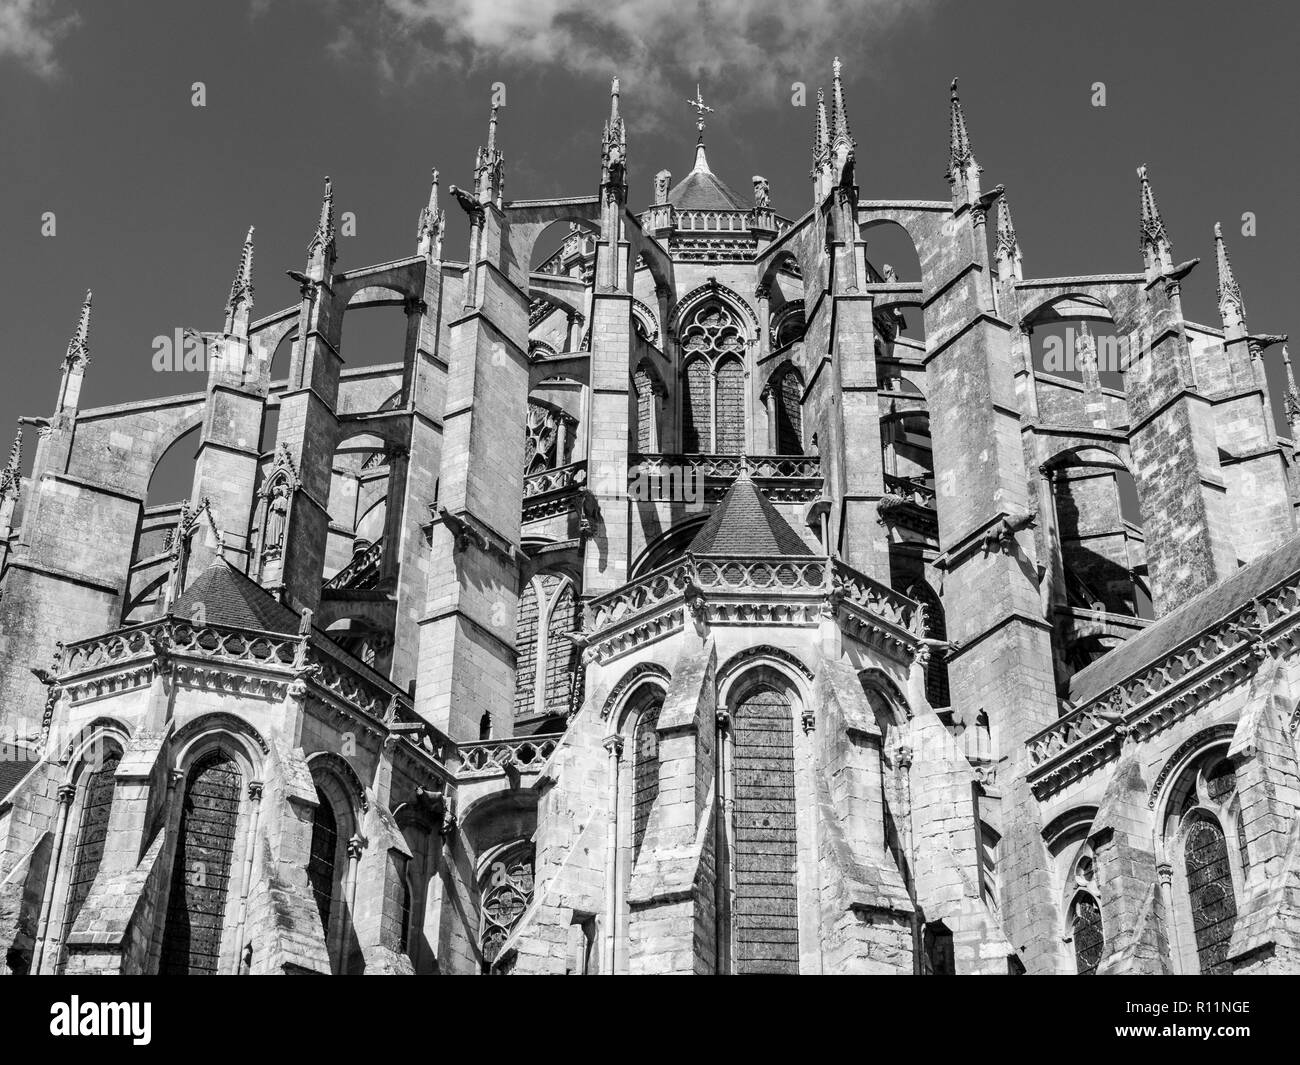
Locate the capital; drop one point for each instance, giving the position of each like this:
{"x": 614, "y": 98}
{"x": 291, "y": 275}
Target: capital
{"x": 614, "y": 745}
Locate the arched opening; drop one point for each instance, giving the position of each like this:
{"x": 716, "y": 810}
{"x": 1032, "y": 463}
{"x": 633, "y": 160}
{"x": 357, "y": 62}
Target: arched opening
{"x": 891, "y": 253}
{"x": 548, "y": 670}
{"x": 763, "y": 863}
{"x": 358, "y": 508}
{"x": 200, "y": 883}
{"x": 549, "y": 437}
{"x": 282, "y": 357}
{"x": 1102, "y": 549}
{"x": 1209, "y": 865}
{"x": 713, "y": 344}
{"x": 783, "y": 396}
{"x": 95, "y": 795}
{"x": 937, "y": 693}
{"x": 505, "y": 890}
{"x": 1074, "y": 339}
{"x": 1086, "y": 933}
{"x": 667, "y": 547}
{"x": 373, "y": 335}
{"x": 323, "y": 858}
{"x": 173, "y": 475}
{"x": 645, "y": 767}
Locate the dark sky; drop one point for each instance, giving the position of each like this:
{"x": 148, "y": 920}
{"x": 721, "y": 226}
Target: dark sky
{"x": 152, "y": 195}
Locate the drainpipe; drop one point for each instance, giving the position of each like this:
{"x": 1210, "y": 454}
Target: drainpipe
{"x": 722, "y": 846}
{"x": 614, "y": 745}
{"x": 67, "y": 793}
{"x": 1165, "y": 873}
{"x": 355, "y": 846}
{"x": 246, "y": 877}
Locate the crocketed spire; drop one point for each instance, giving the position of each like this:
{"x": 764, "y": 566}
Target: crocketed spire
{"x": 79, "y": 346}
{"x": 240, "y": 302}
{"x": 1157, "y": 248}
{"x": 433, "y": 220}
{"x": 1232, "y": 308}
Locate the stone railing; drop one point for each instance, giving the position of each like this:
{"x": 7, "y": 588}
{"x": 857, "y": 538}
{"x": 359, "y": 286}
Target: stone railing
{"x": 912, "y": 489}
{"x": 879, "y": 600}
{"x": 783, "y": 478}
{"x": 555, "y": 480}
{"x": 729, "y": 466}
{"x": 636, "y": 597}
{"x": 1194, "y": 668}
{"x": 794, "y": 575}
{"x": 362, "y": 571}
{"x": 175, "y": 635}
{"x": 525, "y": 753}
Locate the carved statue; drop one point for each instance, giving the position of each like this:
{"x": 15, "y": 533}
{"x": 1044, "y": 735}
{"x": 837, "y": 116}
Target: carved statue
{"x": 661, "y": 186}
{"x": 277, "y": 514}
{"x": 762, "y": 196}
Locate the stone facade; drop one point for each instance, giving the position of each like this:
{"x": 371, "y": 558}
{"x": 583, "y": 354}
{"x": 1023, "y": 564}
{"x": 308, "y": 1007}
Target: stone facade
{"x": 705, "y": 596}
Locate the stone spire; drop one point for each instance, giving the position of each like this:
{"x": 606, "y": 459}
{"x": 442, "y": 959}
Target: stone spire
{"x": 321, "y": 252}
{"x": 489, "y": 167}
{"x": 1232, "y": 308}
{"x": 1007, "y": 251}
{"x": 11, "y": 475}
{"x": 821, "y": 133}
{"x": 1292, "y": 395}
{"x": 433, "y": 220}
{"x": 239, "y": 305}
{"x": 613, "y": 147}
{"x": 1157, "y": 249}
{"x": 963, "y": 171}
{"x": 821, "y": 150}
{"x": 78, "y": 347}
{"x": 74, "y": 362}
{"x": 841, "y": 140}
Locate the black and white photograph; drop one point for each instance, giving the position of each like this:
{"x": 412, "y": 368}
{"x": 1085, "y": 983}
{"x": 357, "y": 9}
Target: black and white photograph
{"x": 622, "y": 487}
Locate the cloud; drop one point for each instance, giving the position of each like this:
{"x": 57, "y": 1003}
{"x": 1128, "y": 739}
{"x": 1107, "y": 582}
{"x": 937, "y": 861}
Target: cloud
{"x": 29, "y": 30}
{"x": 737, "y": 48}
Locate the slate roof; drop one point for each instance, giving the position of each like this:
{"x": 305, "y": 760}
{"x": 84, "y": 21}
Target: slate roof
{"x": 746, "y": 523}
{"x": 1194, "y": 617}
{"x": 230, "y": 598}
{"x": 12, "y": 771}
{"x": 703, "y": 190}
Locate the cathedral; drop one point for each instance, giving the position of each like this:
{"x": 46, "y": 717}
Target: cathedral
{"x": 693, "y": 591}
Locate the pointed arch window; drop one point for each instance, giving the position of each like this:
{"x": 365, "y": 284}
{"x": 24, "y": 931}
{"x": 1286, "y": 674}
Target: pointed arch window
{"x": 645, "y": 771}
{"x": 1209, "y": 888}
{"x": 648, "y": 389}
{"x": 789, "y": 414}
{"x": 526, "y": 650}
{"x": 1210, "y": 867}
{"x": 1086, "y": 931}
{"x": 713, "y": 414}
{"x": 196, "y": 904}
{"x": 505, "y": 892}
{"x": 548, "y": 438}
{"x": 765, "y": 920}
{"x": 97, "y": 801}
{"x": 937, "y": 691}
{"x": 548, "y": 668}
{"x": 697, "y": 415}
{"x": 323, "y": 858}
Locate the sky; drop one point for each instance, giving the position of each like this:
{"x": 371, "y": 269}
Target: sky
{"x": 151, "y": 196}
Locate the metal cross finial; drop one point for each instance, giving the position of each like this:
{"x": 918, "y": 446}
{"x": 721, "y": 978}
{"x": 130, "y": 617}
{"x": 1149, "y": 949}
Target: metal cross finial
{"x": 700, "y": 108}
